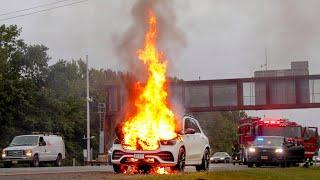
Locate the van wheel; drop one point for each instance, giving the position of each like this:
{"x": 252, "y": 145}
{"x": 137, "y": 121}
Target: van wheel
{"x": 58, "y": 161}
{"x": 35, "y": 161}
{"x": 205, "y": 162}
{"x": 181, "y": 161}
{"x": 7, "y": 164}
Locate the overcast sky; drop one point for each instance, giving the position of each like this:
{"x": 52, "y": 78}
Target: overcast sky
{"x": 225, "y": 38}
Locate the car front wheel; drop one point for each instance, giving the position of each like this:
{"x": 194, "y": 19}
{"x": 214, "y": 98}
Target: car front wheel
{"x": 181, "y": 161}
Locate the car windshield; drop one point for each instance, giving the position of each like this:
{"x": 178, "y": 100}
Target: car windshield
{"x": 268, "y": 141}
{"x": 24, "y": 141}
{"x": 286, "y": 131}
{"x": 220, "y": 154}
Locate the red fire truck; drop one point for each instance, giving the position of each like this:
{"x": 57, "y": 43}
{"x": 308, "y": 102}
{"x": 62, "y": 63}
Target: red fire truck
{"x": 250, "y": 128}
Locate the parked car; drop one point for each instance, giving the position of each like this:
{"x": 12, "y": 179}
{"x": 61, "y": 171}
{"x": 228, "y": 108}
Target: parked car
{"x": 190, "y": 148}
{"x": 274, "y": 150}
{"x": 34, "y": 149}
{"x": 220, "y": 157}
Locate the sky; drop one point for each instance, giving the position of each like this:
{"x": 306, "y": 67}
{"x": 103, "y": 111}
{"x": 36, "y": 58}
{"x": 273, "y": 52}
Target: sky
{"x": 224, "y": 38}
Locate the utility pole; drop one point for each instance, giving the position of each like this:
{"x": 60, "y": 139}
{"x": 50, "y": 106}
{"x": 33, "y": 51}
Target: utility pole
{"x": 88, "y": 113}
{"x": 101, "y": 111}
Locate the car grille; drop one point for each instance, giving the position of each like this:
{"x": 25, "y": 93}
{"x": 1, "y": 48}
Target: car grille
{"x": 266, "y": 152}
{"x": 15, "y": 153}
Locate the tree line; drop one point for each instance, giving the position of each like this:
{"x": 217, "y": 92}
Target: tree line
{"x": 36, "y": 97}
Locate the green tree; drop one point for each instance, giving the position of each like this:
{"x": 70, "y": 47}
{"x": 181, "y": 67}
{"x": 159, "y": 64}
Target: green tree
{"x": 22, "y": 73}
{"x": 221, "y": 128}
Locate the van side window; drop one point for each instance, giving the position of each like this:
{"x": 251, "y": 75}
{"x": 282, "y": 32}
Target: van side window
{"x": 41, "y": 142}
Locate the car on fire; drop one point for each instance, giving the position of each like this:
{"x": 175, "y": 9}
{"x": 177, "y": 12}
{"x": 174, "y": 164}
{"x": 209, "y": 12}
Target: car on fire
{"x": 273, "y": 150}
{"x": 190, "y": 148}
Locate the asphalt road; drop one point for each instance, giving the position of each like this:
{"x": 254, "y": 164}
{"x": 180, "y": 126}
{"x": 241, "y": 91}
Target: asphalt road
{"x": 81, "y": 172}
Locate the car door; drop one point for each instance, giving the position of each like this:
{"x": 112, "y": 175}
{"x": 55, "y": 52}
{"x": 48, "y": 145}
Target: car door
{"x": 199, "y": 142}
{"x": 188, "y": 140}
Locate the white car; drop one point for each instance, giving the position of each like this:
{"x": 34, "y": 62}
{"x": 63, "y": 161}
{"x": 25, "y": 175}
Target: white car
{"x": 190, "y": 148}
{"x": 34, "y": 149}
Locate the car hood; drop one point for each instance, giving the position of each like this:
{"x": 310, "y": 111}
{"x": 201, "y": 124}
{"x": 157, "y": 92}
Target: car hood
{"x": 18, "y": 148}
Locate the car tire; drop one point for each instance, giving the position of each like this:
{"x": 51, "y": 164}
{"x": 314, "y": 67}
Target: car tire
{"x": 7, "y": 164}
{"x": 205, "y": 162}
{"x": 58, "y": 161}
{"x": 181, "y": 161}
{"x": 118, "y": 168}
{"x": 250, "y": 165}
{"x": 35, "y": 161}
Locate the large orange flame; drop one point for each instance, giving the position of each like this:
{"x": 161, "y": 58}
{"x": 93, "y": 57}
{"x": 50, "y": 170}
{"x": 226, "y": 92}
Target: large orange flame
{"x": 153, "y": 121}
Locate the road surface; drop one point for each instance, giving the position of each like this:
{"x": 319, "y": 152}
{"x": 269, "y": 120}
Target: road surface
{"x": 80, "y": 172}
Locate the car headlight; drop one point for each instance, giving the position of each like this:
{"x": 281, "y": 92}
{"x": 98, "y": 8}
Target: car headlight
{"x": 28, "y": 152}
{"x": 168, "y": 142}
{"x": 3, "y": 154}
{"x": 279, "y": 150}
{"x": 221, "y": 158}
{"x": 252, "y": 150}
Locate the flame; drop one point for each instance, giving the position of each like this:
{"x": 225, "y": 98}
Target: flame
{"x": 153, "y": 120}
{"x": 162, "y": 170}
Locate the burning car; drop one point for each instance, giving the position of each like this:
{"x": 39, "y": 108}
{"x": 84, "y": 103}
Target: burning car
{"x": 189, "y": 147}
{"x": 151, "y": 136}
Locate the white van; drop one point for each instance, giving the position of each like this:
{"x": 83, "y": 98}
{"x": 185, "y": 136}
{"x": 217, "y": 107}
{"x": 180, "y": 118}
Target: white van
{"x": 34, "y": 149}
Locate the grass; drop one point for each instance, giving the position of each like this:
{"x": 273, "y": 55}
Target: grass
{"x": 257, "y": 173}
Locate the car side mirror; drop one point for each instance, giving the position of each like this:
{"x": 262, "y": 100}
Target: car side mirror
{"x": 190, "y": 131}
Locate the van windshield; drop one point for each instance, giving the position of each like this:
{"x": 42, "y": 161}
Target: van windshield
{"x": 24, "y": 141}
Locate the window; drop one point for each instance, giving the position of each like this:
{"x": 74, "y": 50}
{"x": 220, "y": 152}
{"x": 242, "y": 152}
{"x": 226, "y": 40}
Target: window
{"x": 24, "y": 141}
{"x": 190, "y": 123}
{"x": 187, "y": 123}
{"x": 195, "y": 127}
